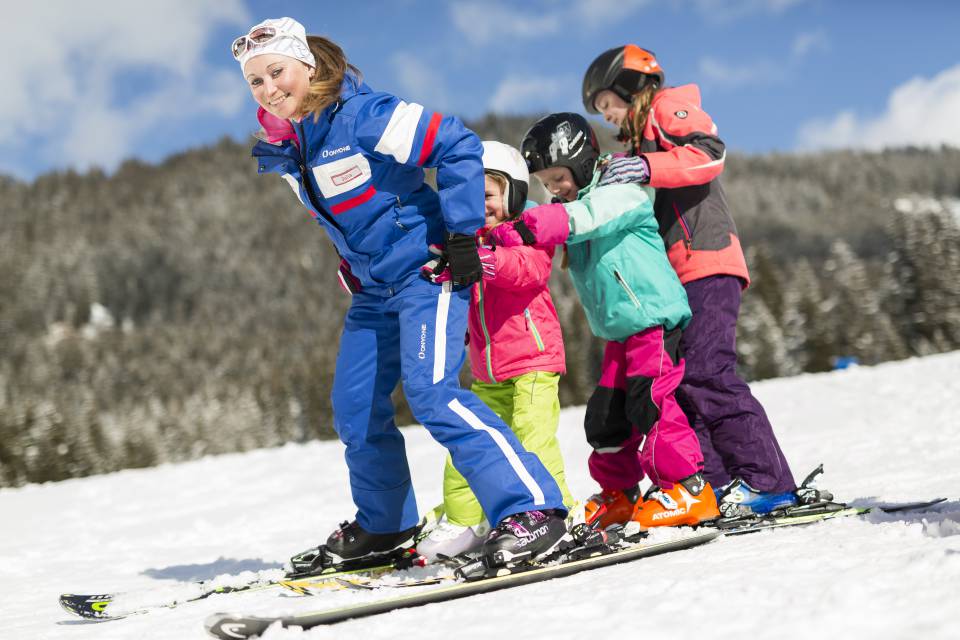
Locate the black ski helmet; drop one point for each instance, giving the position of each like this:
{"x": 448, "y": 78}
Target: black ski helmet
{"x": 624, "y": 70}
{"x": 562, "y": 140}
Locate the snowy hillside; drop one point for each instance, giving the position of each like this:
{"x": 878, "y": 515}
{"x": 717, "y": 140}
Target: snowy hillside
{"x": 885, "y": 435}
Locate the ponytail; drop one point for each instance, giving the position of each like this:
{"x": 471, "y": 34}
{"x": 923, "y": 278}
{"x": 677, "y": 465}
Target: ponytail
{"x": 631, "y": 131}
{"x": 332, "y": 68}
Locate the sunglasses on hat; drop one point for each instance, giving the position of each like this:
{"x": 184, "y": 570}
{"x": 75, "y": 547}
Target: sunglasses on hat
{"x": 257, "y": 36}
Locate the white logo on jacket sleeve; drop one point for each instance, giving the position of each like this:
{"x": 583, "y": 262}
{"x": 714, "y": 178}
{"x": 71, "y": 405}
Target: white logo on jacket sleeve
{"x": 397, "y": 139}
{"x": 340, "y": 176}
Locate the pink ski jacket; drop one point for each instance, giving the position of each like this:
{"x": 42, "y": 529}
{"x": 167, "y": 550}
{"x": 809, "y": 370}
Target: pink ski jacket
{"x": 514, "y": 328}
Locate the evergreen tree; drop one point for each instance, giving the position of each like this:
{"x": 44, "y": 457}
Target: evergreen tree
{"x": 808, "y": 335}
{"x": 858, "y": 323}
{"x": 761, "y": 348}
{"x": 925, "y": 270}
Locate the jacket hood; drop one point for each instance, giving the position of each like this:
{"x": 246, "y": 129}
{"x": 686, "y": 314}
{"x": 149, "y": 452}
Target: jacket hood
{"x": 687, "y": 92}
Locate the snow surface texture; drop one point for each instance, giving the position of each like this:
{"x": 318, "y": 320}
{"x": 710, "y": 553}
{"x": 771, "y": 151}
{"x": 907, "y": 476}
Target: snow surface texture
{"x": 885, "y": 434}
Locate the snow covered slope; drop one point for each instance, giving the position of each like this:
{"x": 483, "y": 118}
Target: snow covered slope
{"x": 885, "y": 434}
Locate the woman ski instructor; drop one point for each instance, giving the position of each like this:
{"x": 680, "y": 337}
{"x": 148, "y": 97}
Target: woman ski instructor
{"x": 354, "y": 158}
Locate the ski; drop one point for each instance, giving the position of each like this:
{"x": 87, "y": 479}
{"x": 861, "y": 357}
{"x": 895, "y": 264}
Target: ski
{"x": 813, "y": 505}
{"x": 809, "y": 514}
{"x": 113, "y": 606}
{"x": 314, "y": 563}
{"x": 231, "y": 626}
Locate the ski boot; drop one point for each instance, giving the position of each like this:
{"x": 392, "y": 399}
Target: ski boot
{"x": 524, "y": 536}
{"x": 690, "y": 502}
{"x": 351, "y": 547}
{"x": 738, "y": 499}
{"x": 448, "y": 540}
{"x": 611, "y": 506}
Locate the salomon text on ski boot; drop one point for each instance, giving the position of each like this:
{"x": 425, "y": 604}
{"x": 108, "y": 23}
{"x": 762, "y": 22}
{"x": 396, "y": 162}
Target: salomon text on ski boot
{"x": 524, "y": 536}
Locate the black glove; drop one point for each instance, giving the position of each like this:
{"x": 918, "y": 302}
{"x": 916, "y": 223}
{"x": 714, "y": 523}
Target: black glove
{"x": 526, "y": 234}
{"x": 465, "y": 267}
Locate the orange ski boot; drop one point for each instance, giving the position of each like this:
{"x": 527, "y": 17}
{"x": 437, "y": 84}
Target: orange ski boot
{"x": 611, "y": 506}
{"x": 690, "y": 502}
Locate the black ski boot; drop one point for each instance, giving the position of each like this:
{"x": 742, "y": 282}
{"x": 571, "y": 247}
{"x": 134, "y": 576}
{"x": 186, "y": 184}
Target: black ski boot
{"x": 350, "y": 547}
{"x": 525, "y": 536}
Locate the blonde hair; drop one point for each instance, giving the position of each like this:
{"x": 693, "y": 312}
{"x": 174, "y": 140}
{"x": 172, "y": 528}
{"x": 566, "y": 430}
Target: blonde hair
{"x": 631, "y": 131}
{"x": 332, "y": 68}
{"x": 501, "y": 181}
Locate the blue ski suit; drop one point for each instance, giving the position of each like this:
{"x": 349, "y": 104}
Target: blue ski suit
{"x": 359, "y": 169}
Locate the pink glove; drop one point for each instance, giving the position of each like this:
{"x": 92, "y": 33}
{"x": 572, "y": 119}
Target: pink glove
{"x": 546, "y": 225}
{"x": 488, "y": 260}
{"x": 277, "y": 129}
{"x": 436, "y": 270}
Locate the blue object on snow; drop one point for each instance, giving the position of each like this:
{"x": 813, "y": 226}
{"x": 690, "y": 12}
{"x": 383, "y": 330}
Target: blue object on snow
{"x": 844, "y": 362}
{"x": 759, "y": 502}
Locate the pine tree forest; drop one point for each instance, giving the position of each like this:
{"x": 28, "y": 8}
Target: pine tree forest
{"x": 171, "y": 311}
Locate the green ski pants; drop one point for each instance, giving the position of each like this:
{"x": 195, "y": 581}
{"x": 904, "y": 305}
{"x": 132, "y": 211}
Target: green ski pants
{"x": 530, "y": 404}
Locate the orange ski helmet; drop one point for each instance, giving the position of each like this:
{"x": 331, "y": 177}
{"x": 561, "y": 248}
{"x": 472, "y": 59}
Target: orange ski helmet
{"x": 624, "y": 70}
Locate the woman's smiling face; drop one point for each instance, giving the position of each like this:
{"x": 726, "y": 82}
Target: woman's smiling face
{"x": 278, "y": 83}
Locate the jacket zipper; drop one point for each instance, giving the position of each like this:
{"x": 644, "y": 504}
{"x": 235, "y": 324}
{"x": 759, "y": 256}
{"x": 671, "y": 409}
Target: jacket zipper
{"x": 687, "y": 237}
{"x": 626, "y": 287}
{"x": 532, "y": 327}
{"x": 487, "y": 356}
{"x": 396, "y": 218}
{"x": 307, "y": 184}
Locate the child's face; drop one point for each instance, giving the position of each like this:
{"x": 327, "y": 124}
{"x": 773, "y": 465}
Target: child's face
{"x": 559, "y": 182}
{"x": 612, "y": 106}
{"x": 496, "y": 211}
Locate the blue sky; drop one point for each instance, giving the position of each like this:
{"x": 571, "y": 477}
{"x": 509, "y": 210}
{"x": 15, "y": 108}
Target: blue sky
{"x": 103, "y": 80}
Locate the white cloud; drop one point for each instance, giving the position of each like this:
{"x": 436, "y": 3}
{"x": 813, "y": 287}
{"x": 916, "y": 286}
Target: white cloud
{"x": 487, "y": 22}
{"x": 420, "y": 80}
{"x": 732, "y": 10}
{"x": 104, "y": 135}
{"x": 811, "y": 41}
{"x": 599, "y": 13}
{"x": 729, "y": 75}
{"x": 921, "y": 112}
{"x": 526, "y": 93}
{"x": 66, "y": 96}
{"x": 483, "y": 22}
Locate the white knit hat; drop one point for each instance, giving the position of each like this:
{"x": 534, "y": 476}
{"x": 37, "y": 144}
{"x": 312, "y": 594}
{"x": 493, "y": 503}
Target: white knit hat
{"x": 290, "y": 41}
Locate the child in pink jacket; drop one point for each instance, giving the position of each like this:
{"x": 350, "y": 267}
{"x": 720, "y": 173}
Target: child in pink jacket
{"x": 516, "y": 351}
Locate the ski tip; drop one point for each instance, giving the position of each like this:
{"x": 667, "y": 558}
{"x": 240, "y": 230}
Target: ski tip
{"x": 91, "y": 607}
{"x": 912, "y": 506}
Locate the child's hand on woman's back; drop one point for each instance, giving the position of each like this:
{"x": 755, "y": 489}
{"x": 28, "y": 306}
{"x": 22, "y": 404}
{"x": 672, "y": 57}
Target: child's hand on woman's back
{"x": 547, "y": 224}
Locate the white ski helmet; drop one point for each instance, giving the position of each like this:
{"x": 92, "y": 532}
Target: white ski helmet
{"x": 504, "y": 160}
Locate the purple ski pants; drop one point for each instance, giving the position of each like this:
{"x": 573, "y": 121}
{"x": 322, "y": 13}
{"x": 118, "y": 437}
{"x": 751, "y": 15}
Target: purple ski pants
{"x": 735, "y": 434}
{"x": 635, "y": 398}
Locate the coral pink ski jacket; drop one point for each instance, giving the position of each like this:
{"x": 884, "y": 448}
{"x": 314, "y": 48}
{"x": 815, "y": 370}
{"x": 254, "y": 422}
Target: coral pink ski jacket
{"x": 686, "y": 157}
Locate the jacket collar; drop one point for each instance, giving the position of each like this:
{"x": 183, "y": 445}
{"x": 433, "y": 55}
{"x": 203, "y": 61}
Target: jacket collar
{"x": 316, "y": 129}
